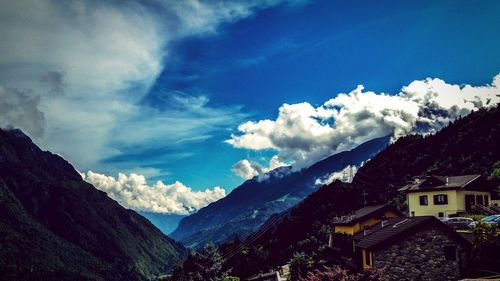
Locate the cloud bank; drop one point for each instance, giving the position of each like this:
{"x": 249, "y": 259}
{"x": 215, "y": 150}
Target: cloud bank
{"x": 304, "y": 134}
{"x": 133, "y": 192}
{"x": 77, "y": 72}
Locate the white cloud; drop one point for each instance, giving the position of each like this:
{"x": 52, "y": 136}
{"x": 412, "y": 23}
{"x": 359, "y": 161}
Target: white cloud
{"x": 80, "y": 69}
{"x": 345, "y": 175}
{"x": 248, "y": 169}
{"x": 133, "y": 192}
{"x": 304, "y": 134}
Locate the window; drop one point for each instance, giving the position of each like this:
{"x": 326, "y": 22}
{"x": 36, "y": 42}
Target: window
{"x": 367, "y": 258}
{"x": 450, "y": 253}
{"x": 423, "y": 200}
{"x": 440, "y": 199}
{"x": 441, "y": 214}
{"x": 479, "y": 199}
{"x": 486, "y": 200}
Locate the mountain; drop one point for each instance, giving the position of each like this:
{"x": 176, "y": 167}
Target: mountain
{"x": 55, "y": 226}
{"x": 469, "y": 145}
{"x": 248, "y": 206}
{"x": 165, "y": 222}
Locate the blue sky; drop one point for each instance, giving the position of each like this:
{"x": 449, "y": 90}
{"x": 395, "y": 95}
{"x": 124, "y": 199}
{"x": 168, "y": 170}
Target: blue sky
{"x": 158, "y": 87}
{"x": 313, "y": 51}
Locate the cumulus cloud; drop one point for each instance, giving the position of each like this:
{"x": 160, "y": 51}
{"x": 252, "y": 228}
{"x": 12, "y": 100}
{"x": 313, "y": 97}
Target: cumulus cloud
{"x": 304, "y": 134}
{"x": 248, "y": 169}
{"x": 133, "y": 192}
{"x": 345, "y": 175}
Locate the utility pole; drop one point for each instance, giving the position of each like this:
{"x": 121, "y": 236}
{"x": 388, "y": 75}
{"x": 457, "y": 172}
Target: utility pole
{"x": 364, "y": 194}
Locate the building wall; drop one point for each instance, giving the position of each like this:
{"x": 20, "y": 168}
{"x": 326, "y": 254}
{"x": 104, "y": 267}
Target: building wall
{"x": 456, "y": 202}
{"x": 353, "y": 229}
{"x": 421, "y": 256}
{"x": 495, "y": 202}
{"x": 431, "y": 209}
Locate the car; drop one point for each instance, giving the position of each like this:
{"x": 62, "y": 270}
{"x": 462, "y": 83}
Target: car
{"x": 495, "y": 220}
{"x": 460, "y": 223}
{"x": 490, "y": 218}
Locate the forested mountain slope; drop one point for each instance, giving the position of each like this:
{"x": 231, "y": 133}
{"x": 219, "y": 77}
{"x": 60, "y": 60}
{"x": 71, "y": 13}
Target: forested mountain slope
{"x": 55, "y": 226}
{"x": 248, "y": 206}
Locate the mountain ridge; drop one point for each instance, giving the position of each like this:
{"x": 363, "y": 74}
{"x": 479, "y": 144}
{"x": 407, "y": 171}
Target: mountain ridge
{"x": 57, "y": 226}
{"x": 249, "y": 205}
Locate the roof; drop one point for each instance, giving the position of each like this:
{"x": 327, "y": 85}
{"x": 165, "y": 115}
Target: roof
{"x": 364, "y": 213}
{"x": 393, "y": 230}
{"x": 440, "y": 183}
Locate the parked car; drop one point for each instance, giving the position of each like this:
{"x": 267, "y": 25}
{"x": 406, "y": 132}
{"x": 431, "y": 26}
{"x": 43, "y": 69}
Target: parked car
{"x": 490, "y": 218}
{"x": 495, "y": 220}
{"x": 460, "y": 223}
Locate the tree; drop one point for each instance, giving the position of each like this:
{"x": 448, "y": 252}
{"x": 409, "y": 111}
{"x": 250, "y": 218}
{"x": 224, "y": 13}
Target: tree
{"x": 205, "y": 265}
{"x": 300, "y": 265}
{"x": 486, "y": 248}
{"x": 208, "y": 265}
{"x": 494, "y": 176}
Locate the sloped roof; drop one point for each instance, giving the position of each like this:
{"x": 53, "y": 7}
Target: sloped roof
{"x": 440, "y": 182}
{"x": 396, "y": 229}
{"x": 366, "y": 212}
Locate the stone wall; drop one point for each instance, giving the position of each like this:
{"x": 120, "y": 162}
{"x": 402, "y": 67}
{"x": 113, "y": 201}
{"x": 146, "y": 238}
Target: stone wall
{"x": 420, "y": 256}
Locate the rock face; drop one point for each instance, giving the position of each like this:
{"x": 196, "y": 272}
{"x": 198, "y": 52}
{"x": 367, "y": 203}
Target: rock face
{"x": 421, "y": 256}
{"x": 251, "y": 204}
{"x": 55, "y": 226}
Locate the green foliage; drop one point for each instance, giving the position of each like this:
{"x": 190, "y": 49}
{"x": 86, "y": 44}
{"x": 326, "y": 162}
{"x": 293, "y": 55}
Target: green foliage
{"x": 300, "y": 265}
{"x": 476, "y": 217}
{"x": 486, "y": 248}
{"x": 494, "y": 176}
{"x": 205, "y": 265}
{"x": 55, "y": 226}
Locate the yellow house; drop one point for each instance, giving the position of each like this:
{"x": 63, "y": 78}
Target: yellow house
{"x": 363, "y": 218}
{"x": 443, "y": 196}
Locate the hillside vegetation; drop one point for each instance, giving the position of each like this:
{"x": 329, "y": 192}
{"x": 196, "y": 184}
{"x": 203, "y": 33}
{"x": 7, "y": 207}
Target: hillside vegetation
{"x": 55, "y": 226}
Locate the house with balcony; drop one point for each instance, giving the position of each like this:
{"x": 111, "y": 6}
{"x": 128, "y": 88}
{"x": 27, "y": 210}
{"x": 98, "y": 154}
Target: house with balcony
{"x": 363, "y": 218}
{"x": 444, "y": 196}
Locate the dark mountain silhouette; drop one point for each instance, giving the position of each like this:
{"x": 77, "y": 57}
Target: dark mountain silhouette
{"x": 55, "y": 226}
{"x": 248, "y": 206}
{"x": 469, "y": 145}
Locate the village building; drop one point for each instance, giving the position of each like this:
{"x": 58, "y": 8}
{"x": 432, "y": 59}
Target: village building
{"x": 444, "y": 196}
{"x": 363, "y": 218}
{"x": 418, "y": 248}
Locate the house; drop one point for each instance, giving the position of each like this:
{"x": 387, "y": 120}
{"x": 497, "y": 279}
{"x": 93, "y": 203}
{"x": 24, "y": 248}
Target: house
{"x": 364, "y": 217}
{"x": 418, "y": 248}
{"x": 443, "y": 196}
